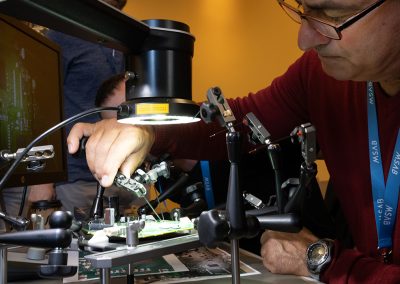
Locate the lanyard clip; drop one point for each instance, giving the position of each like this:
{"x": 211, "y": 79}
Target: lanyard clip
{"x": 386, "y": 255}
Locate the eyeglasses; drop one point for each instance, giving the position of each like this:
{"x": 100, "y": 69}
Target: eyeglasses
{"x": 325, "y": 28}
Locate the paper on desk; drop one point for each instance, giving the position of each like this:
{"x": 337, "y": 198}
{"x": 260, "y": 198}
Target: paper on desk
{"x": 202, "y": 264}
{"x": 193, "y": 265}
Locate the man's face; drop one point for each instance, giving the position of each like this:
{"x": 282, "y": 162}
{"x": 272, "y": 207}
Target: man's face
{"x": 369, "y": 49}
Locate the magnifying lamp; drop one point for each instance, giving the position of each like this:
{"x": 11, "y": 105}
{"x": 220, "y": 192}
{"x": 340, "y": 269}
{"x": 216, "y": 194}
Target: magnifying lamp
{"x": 159, "y": 87}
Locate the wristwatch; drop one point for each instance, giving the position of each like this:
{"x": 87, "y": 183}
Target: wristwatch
{"x": 318, "y": 256}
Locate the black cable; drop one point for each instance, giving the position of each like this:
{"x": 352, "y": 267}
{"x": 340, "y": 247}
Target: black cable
{"x": 48, "y": 132}
{"x": 21, "y": 206}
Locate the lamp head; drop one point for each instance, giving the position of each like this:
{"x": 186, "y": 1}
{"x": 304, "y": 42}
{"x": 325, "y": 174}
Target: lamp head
{"x": 159, "y": 88}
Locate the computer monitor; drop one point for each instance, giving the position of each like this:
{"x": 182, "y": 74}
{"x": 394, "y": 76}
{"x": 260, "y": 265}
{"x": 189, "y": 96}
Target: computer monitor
{"x": 30, "y": 99}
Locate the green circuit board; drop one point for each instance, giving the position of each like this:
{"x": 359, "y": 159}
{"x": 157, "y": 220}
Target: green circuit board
{"x": 152, "y": 228}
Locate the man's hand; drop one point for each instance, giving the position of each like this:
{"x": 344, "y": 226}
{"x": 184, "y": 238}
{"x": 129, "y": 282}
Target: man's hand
{"x": 285, "y": 253}
{"x": 41, "y": 192}
{"x": 112, "y": 146}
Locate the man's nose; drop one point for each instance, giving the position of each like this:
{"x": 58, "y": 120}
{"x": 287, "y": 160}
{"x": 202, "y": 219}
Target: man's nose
{"x": 309, "y": 37}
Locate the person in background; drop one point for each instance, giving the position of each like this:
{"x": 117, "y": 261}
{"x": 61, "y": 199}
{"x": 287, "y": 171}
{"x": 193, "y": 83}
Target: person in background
{"x": 85, "y": 66}
{"x": 111, "y": 93}
{"x": 347, "y": 84}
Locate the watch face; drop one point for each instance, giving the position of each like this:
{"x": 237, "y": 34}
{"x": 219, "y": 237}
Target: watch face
{"x": 317, "y": 254}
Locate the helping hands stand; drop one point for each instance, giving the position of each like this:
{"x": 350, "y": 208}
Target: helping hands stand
{"x": 217, "y": 108}
{"x": 214, "y": 226}
{"x": 57, "y": 238}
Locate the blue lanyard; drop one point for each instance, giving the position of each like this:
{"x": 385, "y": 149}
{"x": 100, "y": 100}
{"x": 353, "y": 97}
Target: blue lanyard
{"x": 385, "y": 197}
{"x": 207, "y": 182}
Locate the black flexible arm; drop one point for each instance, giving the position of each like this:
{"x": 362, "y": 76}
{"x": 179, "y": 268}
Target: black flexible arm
{"x": 48, "y": 132}
{"x": 296, "y": 201}
{"x": 18, "y": 223}
{"x": 234, "y": 200}
{"x": 274, "y": 157}
{"x": 214, "y": 227}
{"x": 39, "y": 238}
{"x": 191, "y": 211}
{"x": 172, "y": 190}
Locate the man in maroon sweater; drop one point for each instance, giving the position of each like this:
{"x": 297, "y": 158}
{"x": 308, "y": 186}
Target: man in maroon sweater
{"x": 347, "y": 85}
